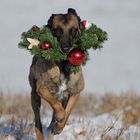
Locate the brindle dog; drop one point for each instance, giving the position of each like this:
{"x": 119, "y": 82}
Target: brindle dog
{"x": 53, "y": 81}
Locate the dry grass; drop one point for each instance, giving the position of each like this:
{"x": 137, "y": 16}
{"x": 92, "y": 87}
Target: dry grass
{"x": 17, "y": 104}
{"x": 86, "y": 103}
{"x": 128, "y": 102}
{"x": 19, "y": 107}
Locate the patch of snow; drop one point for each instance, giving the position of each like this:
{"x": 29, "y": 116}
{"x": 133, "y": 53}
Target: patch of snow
{"x": 5, "y": 118}
{"x": 82, "y": 128}
{"x": 28, "y": 137}
{"x": 9, "y": 137}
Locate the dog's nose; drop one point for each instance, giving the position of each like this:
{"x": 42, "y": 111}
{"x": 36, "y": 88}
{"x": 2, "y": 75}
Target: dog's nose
{"x": 65, "y": 49}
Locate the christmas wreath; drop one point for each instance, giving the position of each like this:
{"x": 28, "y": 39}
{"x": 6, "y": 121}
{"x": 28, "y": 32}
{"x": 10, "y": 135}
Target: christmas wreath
{"x": 41, "y": 42}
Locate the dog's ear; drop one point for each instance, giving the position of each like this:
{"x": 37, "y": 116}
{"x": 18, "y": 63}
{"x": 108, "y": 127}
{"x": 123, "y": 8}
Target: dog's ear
{"x": 50, "y": 21}
{"x": 72, "y": 11}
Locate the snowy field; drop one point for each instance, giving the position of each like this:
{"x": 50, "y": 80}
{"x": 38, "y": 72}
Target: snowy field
{"x": 109, "y": 117}
{"x": 103, "y": 127}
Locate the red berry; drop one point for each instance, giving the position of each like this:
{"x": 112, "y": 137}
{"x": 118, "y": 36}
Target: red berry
{"x": 45, "y": 45}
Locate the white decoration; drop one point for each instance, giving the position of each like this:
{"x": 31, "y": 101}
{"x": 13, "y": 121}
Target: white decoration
{"x": 33, "y": 42}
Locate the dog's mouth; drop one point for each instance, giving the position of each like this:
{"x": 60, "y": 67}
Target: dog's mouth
{"x": 65, "y": 50}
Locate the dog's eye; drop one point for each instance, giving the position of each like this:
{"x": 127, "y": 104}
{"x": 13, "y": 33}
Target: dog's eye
{"x": 74, "y": 32}
{"x": 57, "y": 31}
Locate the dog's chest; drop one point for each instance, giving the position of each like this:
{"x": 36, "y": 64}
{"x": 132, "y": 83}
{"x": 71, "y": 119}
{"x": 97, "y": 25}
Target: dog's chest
{"x": 61, "y": 90}
{"x": 56, "y": 82}
{"x": 61, "y": 85}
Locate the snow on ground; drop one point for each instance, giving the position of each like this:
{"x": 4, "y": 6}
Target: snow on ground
{"x": 81, "y": 128}
{"x": 77, "y": 128}
{"x": 109, "y": 117}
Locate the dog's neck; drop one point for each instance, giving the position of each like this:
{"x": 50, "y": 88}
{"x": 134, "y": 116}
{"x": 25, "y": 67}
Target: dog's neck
{"x": 64, "y": 67}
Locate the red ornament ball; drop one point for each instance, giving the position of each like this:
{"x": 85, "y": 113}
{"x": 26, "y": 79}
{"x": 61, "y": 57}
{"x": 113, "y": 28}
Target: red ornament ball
{"x": 45, "y": 45}
{"x": 84, "y": 22}
{"x": 76, "y": 57}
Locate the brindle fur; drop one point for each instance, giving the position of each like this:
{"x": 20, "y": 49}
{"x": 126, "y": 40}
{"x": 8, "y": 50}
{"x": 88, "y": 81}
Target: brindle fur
{"x": 46, "y": 77}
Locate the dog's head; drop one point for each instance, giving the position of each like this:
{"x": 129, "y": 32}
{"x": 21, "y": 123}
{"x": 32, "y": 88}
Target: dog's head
{"x": 65, "y": 27}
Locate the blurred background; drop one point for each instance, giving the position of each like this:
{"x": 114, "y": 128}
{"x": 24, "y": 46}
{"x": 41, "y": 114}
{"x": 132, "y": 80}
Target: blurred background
{"x": 115, "y": 68}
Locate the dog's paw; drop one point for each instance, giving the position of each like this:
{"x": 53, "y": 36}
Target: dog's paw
{"x": 57, "y": 129}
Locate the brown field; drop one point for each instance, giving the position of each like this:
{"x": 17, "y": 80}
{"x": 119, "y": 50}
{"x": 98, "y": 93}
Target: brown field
{"x": 18, "y": 107}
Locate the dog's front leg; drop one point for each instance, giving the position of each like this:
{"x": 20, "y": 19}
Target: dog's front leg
{"x": 55, "y": 104}
{"x": 36, "y": 103}
{"x": 60, "y": 125}
{"x": 76, "y": 86}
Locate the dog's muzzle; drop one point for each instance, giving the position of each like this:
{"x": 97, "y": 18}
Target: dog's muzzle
{"x": 65, "y": 49}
